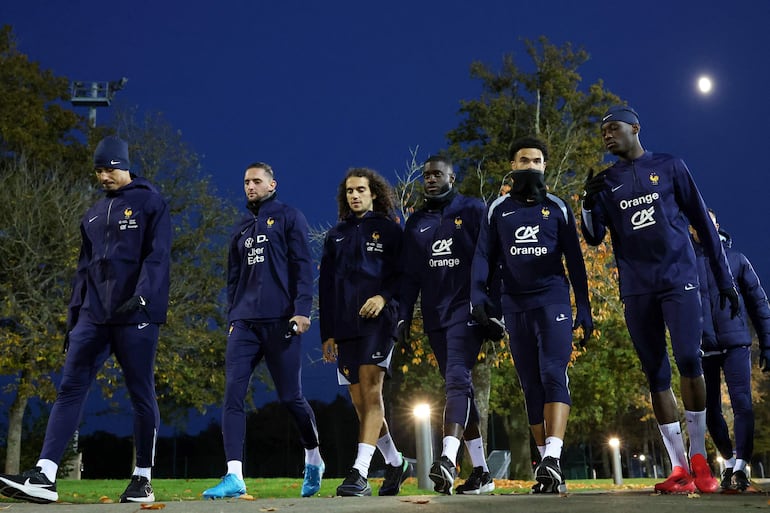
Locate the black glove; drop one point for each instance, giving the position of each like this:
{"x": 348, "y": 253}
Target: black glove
{"x": 132, "y": 305}
{"x": 494, "y": 330}
{"x": 479, "y": 314}
{"x": 593, "y": 186}
{"x": 764, "y": 359}
{"x": 584, "y": 320}
{"x": 730, "y": 294}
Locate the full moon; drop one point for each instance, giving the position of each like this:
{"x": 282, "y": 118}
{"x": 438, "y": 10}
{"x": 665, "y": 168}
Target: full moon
{"x": 705, "y": 85}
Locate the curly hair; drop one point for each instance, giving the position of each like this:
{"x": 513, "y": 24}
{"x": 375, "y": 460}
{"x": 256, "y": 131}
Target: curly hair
{"x": 385, "y": 197}
{"x": 527, "y": 142}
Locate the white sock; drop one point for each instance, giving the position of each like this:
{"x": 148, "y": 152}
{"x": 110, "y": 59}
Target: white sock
{"x": 313, "y": 456}
{"x": 730, "y": 463}
{"x": 235, "y": 467}
{"x": 553, "y": 447}
{"x": 672, "y": 439}
{"x": 48, "y": 468}
{"x": 739, "y": 465}
{"x": 143, "y": 472}
{"x": 389, "y": 452}
{"x": 696, "y": 429}
{"x": 476, "y": 450}
{"x": 451, "y": 446}
{"x": 364, "y": 459}
{"x": 541, "y": 450}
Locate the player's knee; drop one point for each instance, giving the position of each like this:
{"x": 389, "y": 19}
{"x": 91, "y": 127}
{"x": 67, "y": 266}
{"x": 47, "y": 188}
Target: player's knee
{"x": 742, "y": 406}
{"x": 689, "y": 365}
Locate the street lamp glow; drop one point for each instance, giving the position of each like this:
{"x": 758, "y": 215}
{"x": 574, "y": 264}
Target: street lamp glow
{"x": 642, "y": 457}
{"x": 422, "y": 411}
{"x": 614, "y": 442}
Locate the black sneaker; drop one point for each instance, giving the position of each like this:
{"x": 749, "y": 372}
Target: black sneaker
{"x": 354, "y": 485}
{"x": 739, "y": 481}
{"x": 138, "y": 490}
{"x": 477, "y": 483}
{"x": 394, "y": 476}
{"x": 30, "y": 486}
{"x": 443, "y": 473}
{"x": 726, "y": 482}
{"x": 549, "y": 477}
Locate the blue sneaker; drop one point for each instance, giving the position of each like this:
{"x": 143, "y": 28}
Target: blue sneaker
{"x": 230, "y": 486}
{"x": 312, "y": 482}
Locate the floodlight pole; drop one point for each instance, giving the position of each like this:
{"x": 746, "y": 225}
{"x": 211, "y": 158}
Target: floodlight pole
{"x": 93, "y": 95}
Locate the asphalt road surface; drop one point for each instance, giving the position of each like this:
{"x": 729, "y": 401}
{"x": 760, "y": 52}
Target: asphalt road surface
{"x": 584, "y": 502}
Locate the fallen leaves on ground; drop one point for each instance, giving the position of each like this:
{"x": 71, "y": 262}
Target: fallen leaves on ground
{"x": 573, "y": 486}
{"x": 152, "y": 506}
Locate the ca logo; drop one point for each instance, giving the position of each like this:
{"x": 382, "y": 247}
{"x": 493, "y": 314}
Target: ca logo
{"x": 643, "y": 218}
{"x": 442, "y": 247}
{"x": 526, "y": 234}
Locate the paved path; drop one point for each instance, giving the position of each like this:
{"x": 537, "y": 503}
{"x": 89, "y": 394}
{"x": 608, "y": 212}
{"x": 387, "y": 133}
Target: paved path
{"x": 584, "y": 502}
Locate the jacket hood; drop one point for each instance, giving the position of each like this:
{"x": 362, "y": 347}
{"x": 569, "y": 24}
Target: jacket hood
{"x": 725, "y": 237}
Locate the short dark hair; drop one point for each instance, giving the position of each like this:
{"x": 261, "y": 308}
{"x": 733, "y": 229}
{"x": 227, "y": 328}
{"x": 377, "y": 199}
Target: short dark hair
{"x": 527, "y": 142}
{"x": 385, "y": 195}
{"x": 439, "y": 158}
{"x": 268, "y": 169}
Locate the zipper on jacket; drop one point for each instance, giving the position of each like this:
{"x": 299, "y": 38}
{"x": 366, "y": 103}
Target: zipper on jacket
{"x": 107, "y": 230}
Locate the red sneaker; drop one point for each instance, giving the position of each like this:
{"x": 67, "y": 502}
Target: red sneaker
{"x": 701, "y": 473}
{"x": 680, "y": 481}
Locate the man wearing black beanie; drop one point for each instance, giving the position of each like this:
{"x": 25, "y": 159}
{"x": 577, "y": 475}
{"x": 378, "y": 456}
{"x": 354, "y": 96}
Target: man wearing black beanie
{"x": 119, "y": 300}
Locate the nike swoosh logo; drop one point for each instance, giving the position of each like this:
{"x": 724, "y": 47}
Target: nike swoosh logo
{"x": 92, "y": 219}
{"x": 509, "y": 213}
{"x": 617, "y": 187}
{"x": 142, "y": 325}
{"x": 424, "y": 229}
{"x": 340, "y": 239}
{"x": 561, "y": 317}
{"x": 36, "y": 485}
{"x": 377, "y": 356}
{"x": 114, "y": 162}
{"x": 142, "y": 301}
{"x": 608, "y": 116}
{"x": 689, "y": 286}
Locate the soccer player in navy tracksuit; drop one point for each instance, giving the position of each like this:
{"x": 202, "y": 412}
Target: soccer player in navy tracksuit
{"x": 527, "y": 233}
{"x": 119, "y": 299}
{"x": 726, "y": 345}
{"x": 439, "y": 242}
{"x": 270, "y": 294}
{"x": 357, "y": 290}
{"x": 645, "y": 201}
